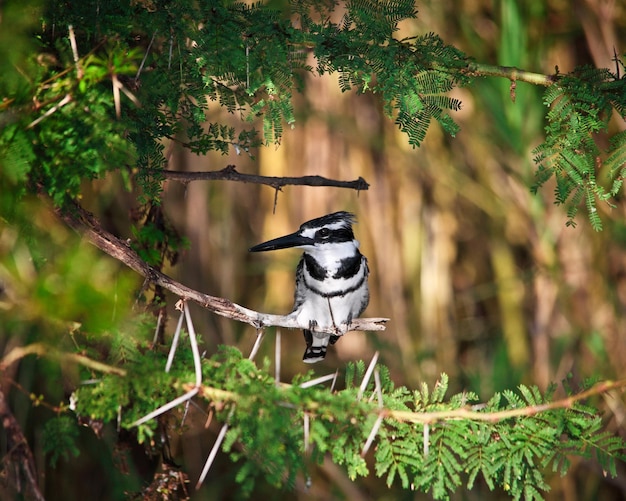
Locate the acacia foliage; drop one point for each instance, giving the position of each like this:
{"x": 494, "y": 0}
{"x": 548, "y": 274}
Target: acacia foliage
{"x": 268, "y": 437}
{"x": 104, "y": 100}
{"x": 581, "y": 105}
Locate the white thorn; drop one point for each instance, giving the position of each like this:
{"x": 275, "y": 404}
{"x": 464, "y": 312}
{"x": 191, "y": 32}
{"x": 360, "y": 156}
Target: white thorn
{"x": 372, "y": 435}
{"x": 368, "y": 375}
{"x": 166, "y": 407}
{"x": 277, "y": 358}
{"x": 379, "y": 390}
{"x": 194, "y": 345}
{"x": 209, "y": 461}
{"x": 257, "y": 343}
{"x": 322, "y": 379}
{"x": 170, "y": 356}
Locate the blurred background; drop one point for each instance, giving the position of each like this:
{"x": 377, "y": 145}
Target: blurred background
{"x": 480, "y": 278}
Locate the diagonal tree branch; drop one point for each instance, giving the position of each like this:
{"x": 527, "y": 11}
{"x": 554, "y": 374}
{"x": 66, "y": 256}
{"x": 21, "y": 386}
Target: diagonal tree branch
{"x": 87, "y": 225}
{"x": 230, "y": 173}
{"x": 43, "y": 350}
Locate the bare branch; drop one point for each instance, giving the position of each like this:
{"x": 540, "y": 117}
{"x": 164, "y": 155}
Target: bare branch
{"x": 87, "y": 225}
{"x": 230, "y": 173}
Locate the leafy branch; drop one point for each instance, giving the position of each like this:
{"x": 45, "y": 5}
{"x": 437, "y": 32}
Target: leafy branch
{"x": 249, "y": 59}
{"x": 468, "y": 412}
{"x": 581, "y": 105}
{"x": 426, "y": 441}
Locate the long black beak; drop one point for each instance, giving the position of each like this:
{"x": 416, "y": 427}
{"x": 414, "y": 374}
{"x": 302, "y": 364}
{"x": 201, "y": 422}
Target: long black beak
{"x": 293, "y": 240}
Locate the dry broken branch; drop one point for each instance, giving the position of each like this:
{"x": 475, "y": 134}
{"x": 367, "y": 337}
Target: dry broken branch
{"x": 230, "y": 173}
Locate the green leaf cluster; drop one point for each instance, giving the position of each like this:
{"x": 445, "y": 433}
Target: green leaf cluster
{"x": 137, "y": 88}
{"x": 110, "y": 97}
{"x": 59, "y": 436}
{"x": 412, "y": 75}
{"x": 438, "y": 455}
{"x": 581, "y": 105}
{"x": 69, "y": 134}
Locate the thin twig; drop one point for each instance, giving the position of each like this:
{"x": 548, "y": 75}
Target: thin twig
{"x": 130, "y": 95}
{"x": 379, "y": 420}
{"x": 194, "y": 343}
{"x": 209, "y": 419}
{"x": 155, "y": 338}
{"x": 116, "y": 96}
{"x": 79, "y": 70}
{"x": 145, "y": 56}
{"x": 510, "y": 72}
{"x": 332, "y": 386}
{"x": 164, "y": 408}
{"x": 379, "y": 390}
{"x": 169, "y": 57}
{"x": 184, "y": 418}
{"x": 372, "y": 434}
{"x": 305, "y": 425}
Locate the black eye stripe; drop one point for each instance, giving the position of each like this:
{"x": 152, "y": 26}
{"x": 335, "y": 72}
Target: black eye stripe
{"x": 338, "y": 235}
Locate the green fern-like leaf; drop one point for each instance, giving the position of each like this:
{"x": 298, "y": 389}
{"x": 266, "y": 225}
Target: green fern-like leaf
{"x": 444, "y": 464}
{"x": 59, "y": 436}
{"x": 580, "y": 106}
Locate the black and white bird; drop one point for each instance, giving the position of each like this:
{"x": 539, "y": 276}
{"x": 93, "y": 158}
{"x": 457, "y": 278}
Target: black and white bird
{"x": 331, "y": 278}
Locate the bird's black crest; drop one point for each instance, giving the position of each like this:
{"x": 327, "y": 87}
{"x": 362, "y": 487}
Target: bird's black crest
{"x": 336, "y": 217}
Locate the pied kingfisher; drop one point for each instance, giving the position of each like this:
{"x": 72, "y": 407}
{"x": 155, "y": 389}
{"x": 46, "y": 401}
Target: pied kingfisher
{"x": 331, "y": 278}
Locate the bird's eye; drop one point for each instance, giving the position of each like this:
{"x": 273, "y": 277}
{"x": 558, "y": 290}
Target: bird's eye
{"x": 323, "y": 233}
